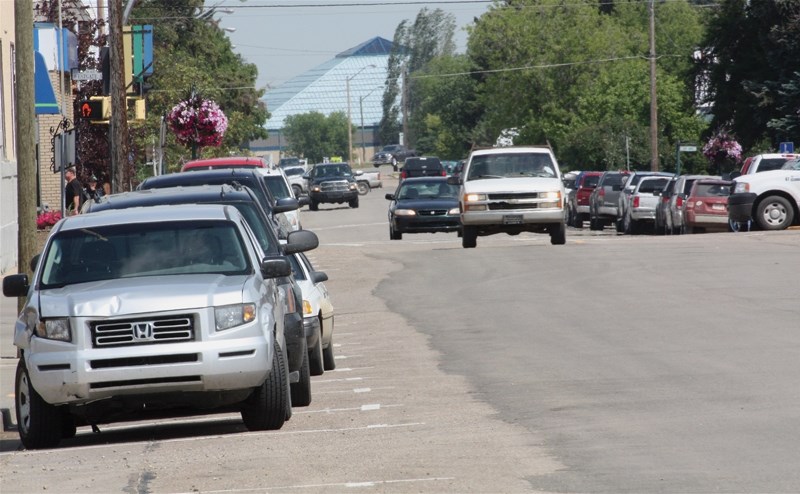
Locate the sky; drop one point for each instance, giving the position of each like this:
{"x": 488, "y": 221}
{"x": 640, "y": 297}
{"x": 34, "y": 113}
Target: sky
{"x": 286, "y": 41}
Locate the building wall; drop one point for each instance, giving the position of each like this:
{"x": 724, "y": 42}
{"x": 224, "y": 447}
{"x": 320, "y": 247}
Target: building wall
{"x": 8, "y": 164}
{"x": 50, "y": 184}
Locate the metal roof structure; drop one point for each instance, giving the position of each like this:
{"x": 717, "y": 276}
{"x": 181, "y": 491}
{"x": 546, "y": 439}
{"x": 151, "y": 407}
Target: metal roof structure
{"x": 324, "y": 88}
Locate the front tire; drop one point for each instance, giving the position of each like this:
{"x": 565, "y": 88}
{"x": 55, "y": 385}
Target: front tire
{"x": 353, "y": 203}
{"x": 297, "y": 191}
{"x": 39, "y": 423}
{"x": 313, "y": 205}
{"x": 266, "y": 408}
{"x": 363, "y": 188}
{"x": 394, "y": 163}
{"x": 469, "y": 237}
{"x": 558, "y": 234}
{"x": 315, "y": 363}
{"x": 301, "y": 390}
{"x": 774, "y": 213}
{"x": 394, "y": 235}
{"x": 327, "y": 354}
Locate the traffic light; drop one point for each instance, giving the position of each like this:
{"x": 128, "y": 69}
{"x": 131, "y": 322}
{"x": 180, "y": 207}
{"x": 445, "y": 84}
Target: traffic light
{"x": 96, "y": 108}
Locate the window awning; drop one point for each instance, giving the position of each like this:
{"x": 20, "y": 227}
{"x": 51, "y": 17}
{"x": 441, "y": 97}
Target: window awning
{"x": 46, "y": 103}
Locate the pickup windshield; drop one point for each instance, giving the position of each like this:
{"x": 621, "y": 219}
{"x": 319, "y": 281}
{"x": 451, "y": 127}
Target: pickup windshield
{"x": 511, "y": 165}
{"x": 144, "y": 249}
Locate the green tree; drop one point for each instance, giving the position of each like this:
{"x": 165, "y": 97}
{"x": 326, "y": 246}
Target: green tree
{"x": 314, "y": 136}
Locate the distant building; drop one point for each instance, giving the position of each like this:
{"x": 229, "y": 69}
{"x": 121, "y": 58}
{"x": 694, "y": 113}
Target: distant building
{"x": 324, "y": 89}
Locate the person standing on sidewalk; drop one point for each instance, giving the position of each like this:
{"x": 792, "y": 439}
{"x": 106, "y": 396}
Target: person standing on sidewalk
{"x": 73, "y": 192}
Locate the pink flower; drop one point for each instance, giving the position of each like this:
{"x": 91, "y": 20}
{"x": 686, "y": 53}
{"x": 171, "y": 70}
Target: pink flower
{"x": 198, "y": 122}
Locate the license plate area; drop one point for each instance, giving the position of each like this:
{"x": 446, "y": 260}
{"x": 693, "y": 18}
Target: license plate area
{"x": 718, "y": 207}
{"x": 512, "y": 219}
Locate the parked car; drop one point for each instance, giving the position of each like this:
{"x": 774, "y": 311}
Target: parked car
{"x": 578, "y": 199}
{"x": 677, "y": 201}
{"x": 278, "y": 185}
{"x": 766, "y": 162}
{"x": 130, "y": 311}
{"x": 367, "y": 180}
{"x": 640, "y": 205}
{"x": 318, "y": 314}
{"x": 628, "y": 187}
{"x": 331, "y": 183}
{"x": 423, "y": 205}
{"x": 297, "y": 341}
{"x": 511, "y": 190}
{"x": 243, "y": 176}
{"x": 707, "y": 206}
{"x": 299, "y": 185}
{"x": 290, "y": 162}
{"x": 392, "y": 154}
{"x": 771, "y": 199}
{"x": 663, "y": 220}
{"x": 604, "y": 200}
{"x": 422, "y": 166}
{"x": 224, "y": 163}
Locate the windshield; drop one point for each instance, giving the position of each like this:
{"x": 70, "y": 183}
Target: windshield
{"x": 332, "y": 171}
{"x": 427, "y": 190}
{"x": 277, "y": 186}
{"x": 511, "y": 165}
{"x": 144, "y": 249}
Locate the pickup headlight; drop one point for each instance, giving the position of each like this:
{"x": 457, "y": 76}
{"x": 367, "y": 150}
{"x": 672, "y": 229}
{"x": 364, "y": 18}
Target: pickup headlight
{"x": 230, "y": 316}
{"x": 554, "y": 195}
{"x": 474, "y": 197}
{"x": 54, "y": 329}
{"x": 741, "y": 187}
{"x": 315, "y": 188}
{"x": 353, "y": 187}
{"x": 405, "y": 212}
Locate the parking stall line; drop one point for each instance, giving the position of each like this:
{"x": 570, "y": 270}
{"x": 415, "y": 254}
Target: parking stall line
{"x": 355, "y": 390}
{"x": 351, "y": 485}
{"x": 363, "y": 408}
{"x": 351, "y": 369}
{"x": 346, "y": 379}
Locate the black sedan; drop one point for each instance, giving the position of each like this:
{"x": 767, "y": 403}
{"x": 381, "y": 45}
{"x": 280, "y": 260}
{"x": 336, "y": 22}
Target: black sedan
{"x": 423, "y": 205}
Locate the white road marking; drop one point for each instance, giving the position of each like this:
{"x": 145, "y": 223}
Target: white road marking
{"x": 362, "y": 390}
{"x": 338, "y": 380}
{"x": 351, "y": 369}
{"x": 367, "y": 483}
{"x": 374, "y": 406}
{"x": 363, "y": 408}
{"x": 356, "y": 390}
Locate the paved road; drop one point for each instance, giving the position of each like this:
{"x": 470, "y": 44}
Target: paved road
{"x": 611, "y": 364}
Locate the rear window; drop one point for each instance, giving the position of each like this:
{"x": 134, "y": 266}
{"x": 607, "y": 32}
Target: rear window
{"x": 590, "y": 181}
{"x": 614, "y": 179}
{"x": 653, "y": 185}
{"x": 712, "y": 190}
{"x": 417, "y": 163}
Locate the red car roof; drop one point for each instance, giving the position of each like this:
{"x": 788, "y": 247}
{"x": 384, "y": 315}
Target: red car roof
{"x": 228, "y": 161}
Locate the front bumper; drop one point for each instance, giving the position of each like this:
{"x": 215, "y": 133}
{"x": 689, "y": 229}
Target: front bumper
{"x": 382, "y": 160}
{"x": 77, "y": 373}
{"x": 426, "y": 224}
{"x": 294, "y": 334}
{"x": 333, "y": 196}
{"x": 740, "y": 206}
{"x": 643, "y": 214}
{"x": 312, "y": 330}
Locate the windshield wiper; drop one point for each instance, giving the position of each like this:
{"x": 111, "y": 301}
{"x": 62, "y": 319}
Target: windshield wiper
{"x": 474, "y": 177}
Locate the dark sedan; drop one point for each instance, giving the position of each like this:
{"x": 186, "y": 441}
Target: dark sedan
{"x": 423, "y": 205}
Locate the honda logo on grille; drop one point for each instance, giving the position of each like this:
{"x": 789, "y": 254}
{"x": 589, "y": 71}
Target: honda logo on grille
{"x": 143, "y": 331}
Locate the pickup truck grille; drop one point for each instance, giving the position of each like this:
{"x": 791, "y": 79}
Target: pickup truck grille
{"x": 505, "y": 205}
{"x": 338, "y": 186}
{"x": 169, "y": 329}
{"x": 512, "y": 195}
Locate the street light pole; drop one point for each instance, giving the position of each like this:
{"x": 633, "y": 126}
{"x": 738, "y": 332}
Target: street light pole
{"x": 349, "y": 117}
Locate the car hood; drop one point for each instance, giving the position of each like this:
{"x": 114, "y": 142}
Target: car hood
{"x": 427, "y": 203}
{"x": 512, "y": 185}
{"x": 139, "y": 295}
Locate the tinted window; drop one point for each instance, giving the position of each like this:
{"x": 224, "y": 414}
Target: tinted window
{"x": 277, "y": 186}
{"x": 427, "y": 190}
{"x": 614, "y": 179}
{"x": 511, "y": 165}
{"x": 771, "y": 164}
{"x": 653, "y": 185}
{"x": 712, "y": 190}
{"x": 416, "y": 163}
{"x": 144, "y": 249}
{"x": 591, "y": 180}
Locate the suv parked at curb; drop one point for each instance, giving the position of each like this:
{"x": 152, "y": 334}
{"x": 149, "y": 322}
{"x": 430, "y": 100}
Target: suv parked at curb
{"x": 628, "y": 188}
{"x": 297, "y": 340}
{"x": 511, "y": 190}
{"x": 331, "y": 183}
{"x": 604, "y": 201}
{"x": 131, "y": 311}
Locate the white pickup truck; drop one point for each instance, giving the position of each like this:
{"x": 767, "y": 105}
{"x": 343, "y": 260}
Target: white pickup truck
{"x": 367, "y": 180}
{"x": 771, "y": 199}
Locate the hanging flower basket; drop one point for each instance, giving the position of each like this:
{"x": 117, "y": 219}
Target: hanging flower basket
{"x": 198, "y": 122}
{"x": 722, "y": 147}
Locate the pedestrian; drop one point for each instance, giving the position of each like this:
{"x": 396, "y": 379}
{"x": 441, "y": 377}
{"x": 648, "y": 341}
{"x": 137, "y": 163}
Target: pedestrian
{"x": 73, "y": 192}
{"x": 92, "y": 191}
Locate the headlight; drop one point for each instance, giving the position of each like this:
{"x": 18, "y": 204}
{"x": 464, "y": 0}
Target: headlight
{"x": 54, "y": 329}
{"x": 230, "y": 316}
{"x": 315, "y": 188}
{"x": 454, "y": 211}
{"x": 353, "y": 187}
{"x": 741, "y": 187}
{"x": 306, "y": 308}
{"x": 555, "y": 195}
{"x": 405, "y": 212}
{"x": 474, "y": 197}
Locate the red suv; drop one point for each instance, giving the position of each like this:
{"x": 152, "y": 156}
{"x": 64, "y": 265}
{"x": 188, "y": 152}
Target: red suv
{"x": 579, "y": 198}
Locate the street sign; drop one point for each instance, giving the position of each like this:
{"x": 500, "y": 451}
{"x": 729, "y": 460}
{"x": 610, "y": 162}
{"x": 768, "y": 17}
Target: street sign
{"x": 86, "y": 75}
{"x": 688, "y": 149}
{"x": 787, "y": 147}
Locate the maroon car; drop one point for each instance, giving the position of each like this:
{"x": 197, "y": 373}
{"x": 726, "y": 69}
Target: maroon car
{"x": 706, "y": 207}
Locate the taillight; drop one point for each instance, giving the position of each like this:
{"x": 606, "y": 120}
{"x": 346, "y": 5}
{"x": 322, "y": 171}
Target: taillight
{"x": 403, "y": 174}
{"x": 636, "y": 201}
{"x": 679, "y": 202}
{"x": 602, "y": 192}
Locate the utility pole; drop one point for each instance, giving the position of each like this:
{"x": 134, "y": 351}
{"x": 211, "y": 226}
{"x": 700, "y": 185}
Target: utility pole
{"x": 653, "y": 97}
{"x": 404, "y": 99}
{"x": 26, "y": 137}
{"x": 118, "y": 130}
{"x": 349, "y": 126}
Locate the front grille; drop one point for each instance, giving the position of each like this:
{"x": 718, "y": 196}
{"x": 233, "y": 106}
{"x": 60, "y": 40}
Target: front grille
{"x": 145, "y": 382}
{"x": 511, "y": 196}
{"x": 145, "y": 331}
{"x": 341, "y": 186}
{"x": 499, "y": 206}
{"x": 432, "y": 212}
{"x": 143, "y": 361}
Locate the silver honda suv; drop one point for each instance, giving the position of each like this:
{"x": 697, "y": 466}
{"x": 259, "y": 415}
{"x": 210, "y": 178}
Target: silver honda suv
{"x": 169, "y": 307}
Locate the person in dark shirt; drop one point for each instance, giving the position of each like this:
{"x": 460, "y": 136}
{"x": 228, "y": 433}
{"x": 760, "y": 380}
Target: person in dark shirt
{"x": 73, "y": 192}
{"x": 92, "y": 191}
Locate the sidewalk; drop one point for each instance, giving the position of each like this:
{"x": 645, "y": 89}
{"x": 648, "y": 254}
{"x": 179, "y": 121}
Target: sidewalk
{"x": 8, "y": 359}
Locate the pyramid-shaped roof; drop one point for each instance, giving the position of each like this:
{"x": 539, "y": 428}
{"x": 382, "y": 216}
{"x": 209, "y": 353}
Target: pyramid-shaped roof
{"x": 324, "y": 88}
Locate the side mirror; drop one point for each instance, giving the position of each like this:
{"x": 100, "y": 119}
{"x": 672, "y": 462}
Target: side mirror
{"x": 390, "y": 197}
{"x": 34, "y": 262}
{"x": 454, "y": 180}
{"x": 16, "y": 285}
{"x": 359, "y": 172}
{"x": 300, "y": 241}
{"x": 285, "y": 204}
{"x": 306, "y": 177}
{"x": 319, "y": 277}
{"x": 275, "y": 267}
{"x": 304, "y": 201}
